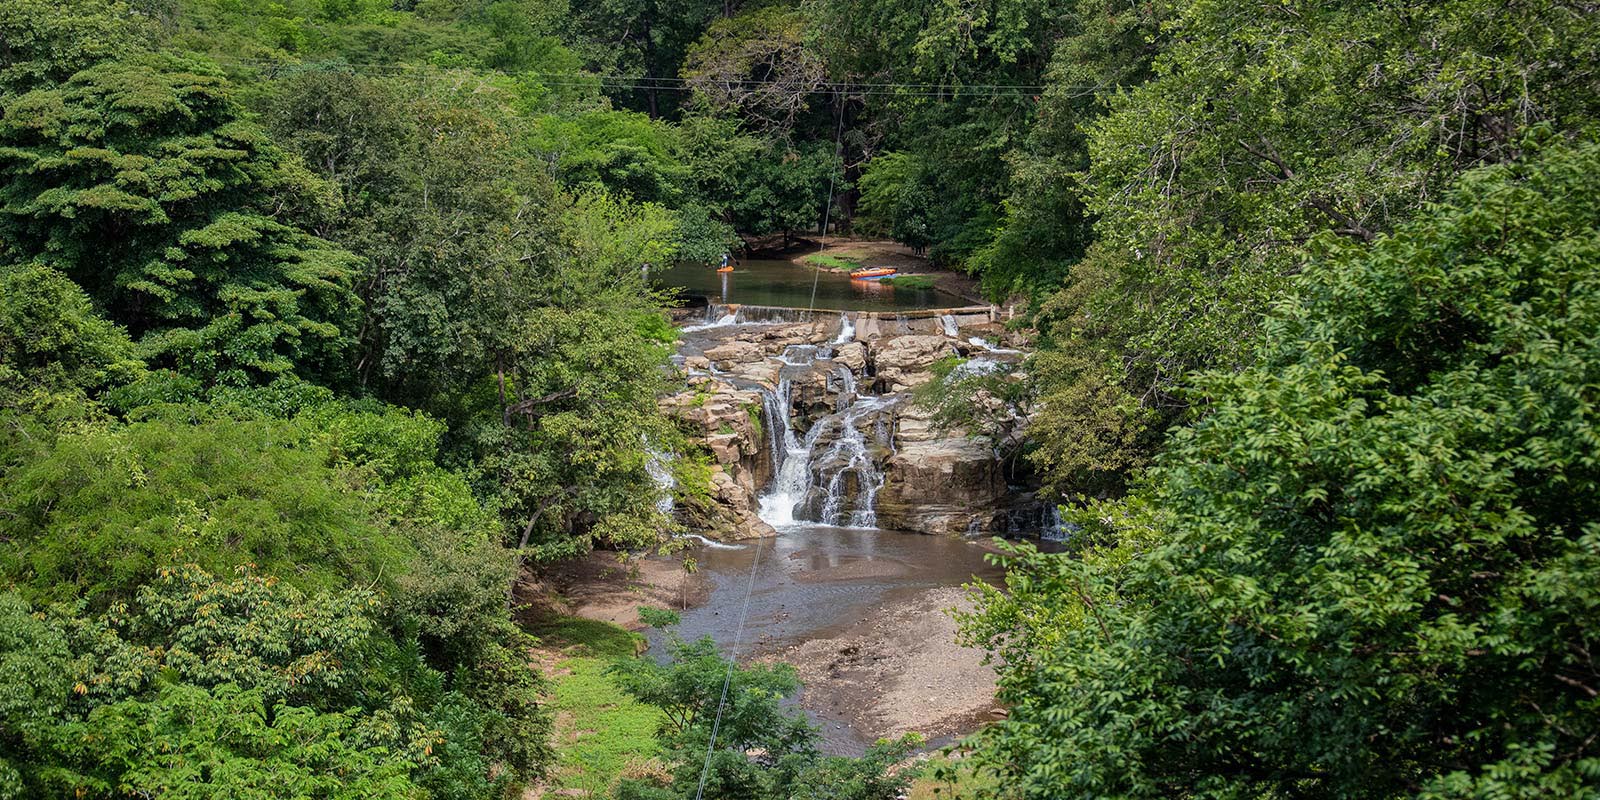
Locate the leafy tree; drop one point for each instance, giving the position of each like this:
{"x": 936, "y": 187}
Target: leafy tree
{"x": 51, "y": 339}
{"x": 757, "y": 63}
{"x": 784, "y": 190}
{"x": 1369, "y": 570}
{"x": 761, "y": 750}
{"x": 1108, "y": 46}
{"x": 950, "y": 84}
{"x": 1262, "y": 127}
{"x": 101, "y": 510}
{"x": 205, "y": 688}
{"x": 141, "y": 181}
{"x": 642, "y": 39}
{"x": 621, "y": 152}
{"x": 896, "y": 200}
{"x": 48, "y": 42}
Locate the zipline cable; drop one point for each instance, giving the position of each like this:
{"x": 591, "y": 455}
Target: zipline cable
{"x": 727, "y": 677}
{"x": 755, "y": 563}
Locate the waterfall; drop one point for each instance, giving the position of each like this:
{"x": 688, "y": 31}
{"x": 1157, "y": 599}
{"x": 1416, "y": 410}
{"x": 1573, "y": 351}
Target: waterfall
{"x": 1055, "y": 528}
{"x": 979, "y": 341}
{"x": 716, "y": 317}
{"x": 948, "y": 324}
{"x": 847, "y": 330}
{"x": 847, "y": 456}
{"x": 656, "y": 466}
{"x": 828, "y": 476}
{"x": 976, "y": 366}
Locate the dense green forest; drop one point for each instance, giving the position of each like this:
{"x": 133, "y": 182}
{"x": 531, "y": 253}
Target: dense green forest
{"x": 320, "y": 319}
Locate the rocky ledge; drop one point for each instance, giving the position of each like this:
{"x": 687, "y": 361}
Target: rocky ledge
{"x": 837, "y": 391}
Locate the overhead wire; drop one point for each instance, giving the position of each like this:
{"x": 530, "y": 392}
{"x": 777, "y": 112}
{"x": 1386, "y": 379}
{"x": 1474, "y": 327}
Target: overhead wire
{"x": 582, "y": 79}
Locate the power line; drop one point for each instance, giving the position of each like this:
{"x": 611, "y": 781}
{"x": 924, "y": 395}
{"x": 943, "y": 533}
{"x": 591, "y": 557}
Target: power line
{"x": 584, "y": 80}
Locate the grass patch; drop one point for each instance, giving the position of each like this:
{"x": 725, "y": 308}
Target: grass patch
{"x": 909, "y": 281}
{"x": 956, "y": 781}
{"x": 830, "y": 262}
{"x": 601, "y": 733}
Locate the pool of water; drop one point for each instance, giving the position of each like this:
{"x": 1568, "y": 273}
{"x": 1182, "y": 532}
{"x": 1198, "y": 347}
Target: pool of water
{"x": 812, "y": 582}
{"x": 783, "y": 283}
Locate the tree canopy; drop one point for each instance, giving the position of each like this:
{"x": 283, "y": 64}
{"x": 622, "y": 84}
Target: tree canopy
{"x": 1366, "y": 571}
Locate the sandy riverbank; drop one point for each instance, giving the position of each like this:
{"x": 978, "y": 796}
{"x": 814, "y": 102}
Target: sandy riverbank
{"x": 610, "y": 587}
{"x": 899, "y": 670}
{"x": 895, "y": 669}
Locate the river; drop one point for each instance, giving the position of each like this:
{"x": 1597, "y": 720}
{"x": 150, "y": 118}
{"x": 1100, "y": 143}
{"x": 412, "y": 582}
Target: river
{"x": 783, "y": 283}
{"x": 817, "y": 584}
{"x": 859, "y": 610}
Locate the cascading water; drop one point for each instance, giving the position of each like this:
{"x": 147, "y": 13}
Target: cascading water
{"x": 828, "y": 476}
{"x": 979, "y": 341}
{"x": 716, "y": 317}
{"x": 656, "y": 466}
{"x": 847, "y": 330}
{"x": 948, "y": 324}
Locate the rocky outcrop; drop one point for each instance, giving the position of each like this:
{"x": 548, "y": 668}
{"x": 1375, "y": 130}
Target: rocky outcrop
{"x": 903, "y": 361}
{"x": 727, "y": 420}
{"x": 860, "y": 440}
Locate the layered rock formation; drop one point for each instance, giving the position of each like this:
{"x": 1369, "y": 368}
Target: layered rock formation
{"x": 811, "y": 420}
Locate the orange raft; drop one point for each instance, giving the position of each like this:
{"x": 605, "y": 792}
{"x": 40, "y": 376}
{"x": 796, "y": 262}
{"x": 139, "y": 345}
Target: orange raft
{"x": 872, "y": 274}
{"x": 728, "y": 268}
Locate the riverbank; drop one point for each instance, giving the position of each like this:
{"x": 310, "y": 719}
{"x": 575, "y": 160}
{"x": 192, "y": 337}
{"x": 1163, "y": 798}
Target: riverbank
{"x": 863, "y": 616}
{"x": 842, "y": 254}
{"x": 610, "y": 587}
{"x": 898, "y": 670}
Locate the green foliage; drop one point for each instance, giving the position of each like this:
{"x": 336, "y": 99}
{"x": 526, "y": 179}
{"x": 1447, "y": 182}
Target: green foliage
{"x": 1369, "y": 570}
{"x": 51, "y": 339}
{"x": 205, "y": 688}
{"x": 896, "y": 200}
{"x": 610, "y": 733}
{"x": 914, "y": 282}
{"x": 1046, "y": 228}
{"x": 757, "y": 64}
{"x": 785, "y": 188}
{"x": 621, "y": 152}
{"x": 1259, "y": 128}
{"x": 761, "y": 749}
{"x": 99, "y": 512}
{"x": 142, "y": 182}
{"x": 823, "y": 260}
{"x": 658, "y": 617}
{"x": 48, "y": 42}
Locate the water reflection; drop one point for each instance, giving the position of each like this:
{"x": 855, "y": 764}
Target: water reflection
{"x": 783, "y": 283}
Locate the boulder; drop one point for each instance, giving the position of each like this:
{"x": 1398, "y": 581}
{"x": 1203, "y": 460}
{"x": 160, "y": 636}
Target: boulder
{"x": 942, "y": 486}
{"x": 903, "y": 362}
{"x": 729, "y": 354}
{"x": 852, "y": 355}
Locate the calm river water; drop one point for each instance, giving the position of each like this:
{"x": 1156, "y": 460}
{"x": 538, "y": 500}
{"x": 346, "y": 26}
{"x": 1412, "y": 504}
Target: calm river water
{"x": 813, "y": 582}
{"x": 783, "y": 283}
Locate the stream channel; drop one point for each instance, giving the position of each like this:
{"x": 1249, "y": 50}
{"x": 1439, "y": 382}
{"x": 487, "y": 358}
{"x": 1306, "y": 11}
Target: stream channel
{"x": 760, "y": 282}
{"x": 814, "y": 581}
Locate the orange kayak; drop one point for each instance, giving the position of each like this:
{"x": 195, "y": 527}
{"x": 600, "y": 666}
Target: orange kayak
{"x": 872, "y": 274}
{"x": 725, "y": 269}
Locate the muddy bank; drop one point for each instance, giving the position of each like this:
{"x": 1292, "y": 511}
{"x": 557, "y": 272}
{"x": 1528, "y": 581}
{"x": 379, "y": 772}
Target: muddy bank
{"x": 897, "y": 670}
{"x": 610, "y": 587}
{"x": 861, "y": 614}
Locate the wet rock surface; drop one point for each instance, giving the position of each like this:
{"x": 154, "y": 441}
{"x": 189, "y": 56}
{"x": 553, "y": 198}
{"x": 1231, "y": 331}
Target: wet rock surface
{"x": 811, "y": 420}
